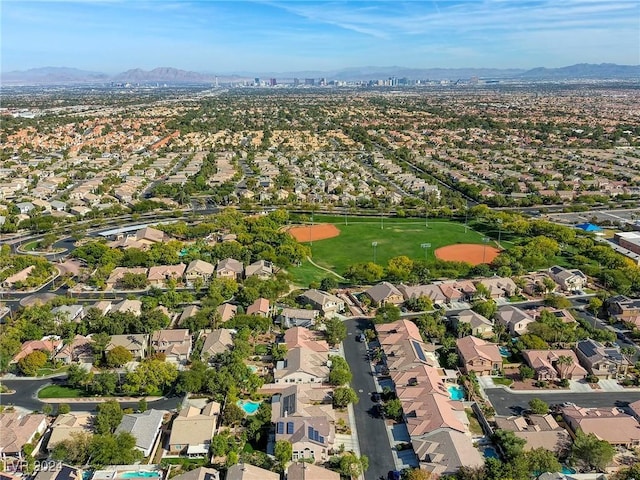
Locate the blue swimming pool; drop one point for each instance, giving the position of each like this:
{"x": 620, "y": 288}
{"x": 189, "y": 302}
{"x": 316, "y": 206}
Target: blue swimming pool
{"x": 140, "y": 474}
{"x": 248, "y": 406}
{"x": 490, "y": 452}
{"x": 456, "y": 392}
{"x": 504, "y": 351}
{"x": 566, "y": 470}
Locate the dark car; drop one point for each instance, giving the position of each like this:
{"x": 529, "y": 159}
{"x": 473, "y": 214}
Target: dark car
{"x": 394, "y": 475}
{"x": 376, "y": 397}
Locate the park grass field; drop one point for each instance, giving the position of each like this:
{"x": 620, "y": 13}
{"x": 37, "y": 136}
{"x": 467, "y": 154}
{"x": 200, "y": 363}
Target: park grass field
{"x": 394, "y": 237}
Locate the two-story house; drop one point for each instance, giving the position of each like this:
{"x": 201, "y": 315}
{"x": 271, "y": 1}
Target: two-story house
{"x": 603, "y": 362}
{"x": 479, "y": 356}
{"x": 229, "y": 268}
{"x": 329, "y": 305}
{"x": 175, "y": 344}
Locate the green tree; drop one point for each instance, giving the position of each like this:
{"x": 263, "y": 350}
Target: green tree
{"x": 343, "y": 396}
{"x": 118, "y": 356}
{"x": 76, "y": 375}
{"x": 538, "y": 406}
{"x": 74, "y": 450}
{"x": 629, "y": 473}
{"x": 328, "y": 283}
{"x": 393, "y": 409}
{"x": 336, "y": 331}
{"x": 232, "y": 414}
{"x": 31, "y": 363}
{"x": 595, "y": 304}
{"x": 353, "y": 466}
{"x": 557, "y": 301}
{"x": 283, "y": 451}
{"x": 339, "y": 373}
{"x": 416, "y": 474}
{"x": 527, "y": 372}
{"x": 486, "y": 308}
{"x": 512, "y": 446}
{"x": 63, "y": 408}
{"x": 364, "y": 273}
{"x": 109, "y": 417}
{"x": 150, "y": 377}
{"x": 118, "y": 449}
{"x": 387, "y": 313}
{"x": 399, "y": 268}
{"x": 590, "y": 452}
{"x": 542, "y": 460}
{"x": 142, "y": 405}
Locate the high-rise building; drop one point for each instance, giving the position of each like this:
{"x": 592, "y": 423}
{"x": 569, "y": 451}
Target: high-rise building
{"x": 296, "y": 82}
{"x": 272, "y": 82}
{"x": 256, "y": 81}
{"x": 309, "y": 81}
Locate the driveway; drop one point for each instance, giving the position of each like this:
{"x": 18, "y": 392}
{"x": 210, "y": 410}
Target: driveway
{"x": 372, "y": 432}
{"x": 509, "y": 403}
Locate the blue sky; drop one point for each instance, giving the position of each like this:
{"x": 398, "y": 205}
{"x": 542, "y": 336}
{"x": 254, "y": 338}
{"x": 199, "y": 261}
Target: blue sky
{"x": 279, "y": 36}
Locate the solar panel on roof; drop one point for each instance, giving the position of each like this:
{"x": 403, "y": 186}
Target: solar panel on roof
{"x": 419, "y": 351}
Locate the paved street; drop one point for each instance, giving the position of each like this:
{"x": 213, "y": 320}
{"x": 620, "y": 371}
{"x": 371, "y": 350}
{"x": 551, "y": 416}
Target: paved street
{"x": 25, "y": 396}
{"x": 508, "y": 403}
{"x": 372, "y": 433}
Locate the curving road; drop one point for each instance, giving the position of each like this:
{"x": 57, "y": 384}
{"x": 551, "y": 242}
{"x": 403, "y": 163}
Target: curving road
{"x": 26, "y": 396}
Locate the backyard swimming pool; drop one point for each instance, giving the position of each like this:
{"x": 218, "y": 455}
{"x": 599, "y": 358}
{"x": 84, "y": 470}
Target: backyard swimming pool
{"x": 504, "y": 351}
{"x": 140, "y": 474}
{"x": 490, "y": 452}
{"x": 249, "y": 407}
{"x": 456, "y": 392}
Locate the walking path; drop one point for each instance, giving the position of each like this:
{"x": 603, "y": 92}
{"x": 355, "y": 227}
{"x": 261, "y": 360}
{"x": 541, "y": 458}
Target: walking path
{"x": 325, "y": 269}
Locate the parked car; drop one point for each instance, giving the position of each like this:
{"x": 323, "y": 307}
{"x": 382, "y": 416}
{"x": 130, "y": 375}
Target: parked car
{"x": 376, "y": 397}
{"x": 394, "y": 475}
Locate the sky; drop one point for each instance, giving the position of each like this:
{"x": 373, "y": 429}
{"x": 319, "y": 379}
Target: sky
{"x": 239, "y": 36}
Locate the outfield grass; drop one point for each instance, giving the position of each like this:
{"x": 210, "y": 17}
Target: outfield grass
{"x": 394, "y": 237}
{"x": 57, "y": 391}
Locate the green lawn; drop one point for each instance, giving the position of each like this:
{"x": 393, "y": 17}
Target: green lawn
{"x": 474, "y": 424}
{"x": 31, "y": 246}
{"x": 502, "y": 381}
{"x": 394, "y": 237}
{"x": 50, "y": 371}
{"x": 57, "y": 391}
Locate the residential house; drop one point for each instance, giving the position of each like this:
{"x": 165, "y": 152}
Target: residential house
{"x": 548, "y": 367}
{"x": 216, "y": 342}
{"x": 539, "y": 431}
{"x": 458, "y": 290}
{"x": 192, "y": 430}
{"x": 297, "y": 317}
{"x": 68, "y": 423}
{"x": 229, "y": 268}
{"x": 514, "y": 319}
{"x": 479, "y": 356}
{"x": 18, "y": 277}
{"x": 443, "y": 451}
{"x": 309, "y": 471}
{"x": 329, "y": 305}
{"x": 25, "y": 207}
{"x": 384, "y": 293}
{"x": 58, "y": 206}
{"x": 198, "y": 269}
{"x": 188, "y": 312}
{"x": 302, "y": 400}
{"x": 226, "y": 311}
{"x": 50, "y": 345}
{"x": 499, "y": 287}
{"x": 260, "y": 308}
{"x": 160, "y": 275}
{"x": 610, "y": 424}
{"x": 128, "y": 306}
{"x": 534, "y": 285}
{"x": 261, "y": 269}
{"x": 80, "y": 349}
{"x": 479, "y": 325}
{"x": 17, "y": 430}
{"x": 603, "y": 362}
{"x": 624, "y": 309}
{"x": 175, "y": 344}
{"x": 569, "y": 280}
{"x": 403, "y": 346}
{"x": 310, "y": 437}
{"x": 61, "y": 472}
{"x": 137, "y": 344}
{"x": 150, "y": 235}
{"x": 432, "y": 292}
{"x": 200, "y": 473}
{"x": 635, "y": 409}
{"x": 302, "y": 365}
{"x": 246, "y": 471}
{"x": 145, "y": 427}
{"x": 118, "y": 273}
{"x": 69, "y": 313}
{"x": 303, "y": 337}
{"x": 103, "y": 306}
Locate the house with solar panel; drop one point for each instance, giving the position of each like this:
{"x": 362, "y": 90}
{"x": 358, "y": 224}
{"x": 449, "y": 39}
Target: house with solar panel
{"x": 603, "y": 362}
{"x": 311, "y": 437}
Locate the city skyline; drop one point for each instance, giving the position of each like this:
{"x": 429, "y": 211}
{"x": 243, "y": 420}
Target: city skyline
{"x": 236, "y": 37}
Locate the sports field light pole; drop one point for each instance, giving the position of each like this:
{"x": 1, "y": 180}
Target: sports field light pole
{"x": 499, "y": 231}
{"x": 485, "y": 240}
{"x": 426, "y": 247}
{"x": 374, "y": 245}
{"x": 466, "y": 217}
{"x": 311, "y": 229}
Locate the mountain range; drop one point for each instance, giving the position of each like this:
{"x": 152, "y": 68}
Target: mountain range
{"x": 169, "y": 75}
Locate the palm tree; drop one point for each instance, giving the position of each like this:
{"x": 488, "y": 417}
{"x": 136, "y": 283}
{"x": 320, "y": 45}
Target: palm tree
{"x": 564, "y": 361}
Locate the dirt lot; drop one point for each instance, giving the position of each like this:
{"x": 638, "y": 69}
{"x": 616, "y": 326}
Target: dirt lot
{"x": 311, "y": 233}
{"x": 468, "y": 252}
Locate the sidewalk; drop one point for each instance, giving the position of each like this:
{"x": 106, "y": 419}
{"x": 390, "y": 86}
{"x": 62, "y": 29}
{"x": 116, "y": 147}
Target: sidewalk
{"x": 575, "y": 386}
{"x": 97, "y": 399}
